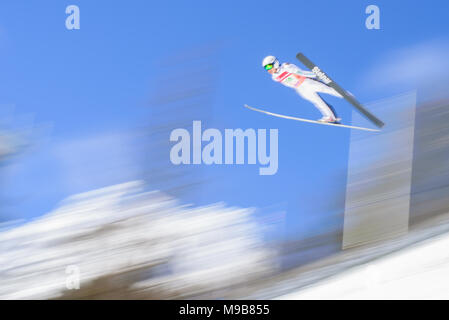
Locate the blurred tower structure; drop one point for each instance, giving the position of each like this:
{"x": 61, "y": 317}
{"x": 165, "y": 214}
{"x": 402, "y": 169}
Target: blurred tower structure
{"x": 184, "y": 92}
{"x": 430, "y": 177}
{"x": 379, "y": 180}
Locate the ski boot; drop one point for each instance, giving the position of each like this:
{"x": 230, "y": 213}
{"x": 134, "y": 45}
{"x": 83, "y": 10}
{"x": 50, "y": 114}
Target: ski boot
{"x": 328, "y": 119}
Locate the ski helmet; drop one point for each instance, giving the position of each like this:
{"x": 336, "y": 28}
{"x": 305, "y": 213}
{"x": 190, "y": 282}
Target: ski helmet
{"x": 270, "y": 62}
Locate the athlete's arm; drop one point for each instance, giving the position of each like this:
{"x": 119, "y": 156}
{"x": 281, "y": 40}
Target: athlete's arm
{"x": 294, "y": 69}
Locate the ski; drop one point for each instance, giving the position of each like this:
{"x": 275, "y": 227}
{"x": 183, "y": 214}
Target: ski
{"x": 307, "y": 120}
{"x": 348, "y": 97}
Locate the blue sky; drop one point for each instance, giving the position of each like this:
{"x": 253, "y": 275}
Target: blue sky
{"x": 92, "y": 86}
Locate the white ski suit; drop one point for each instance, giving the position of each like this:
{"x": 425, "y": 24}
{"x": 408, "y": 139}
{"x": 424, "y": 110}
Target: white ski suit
{"x": 302, "y": 81}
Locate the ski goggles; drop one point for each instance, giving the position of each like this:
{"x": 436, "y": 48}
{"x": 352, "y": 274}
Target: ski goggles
{"x": 268, "y": 67}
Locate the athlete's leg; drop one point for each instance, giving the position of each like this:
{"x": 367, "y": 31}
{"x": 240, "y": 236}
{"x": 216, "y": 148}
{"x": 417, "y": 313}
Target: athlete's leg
{"x": 319, "y": 103}
{"x": 323, "y": 88}
{"x": 330, "y": 106}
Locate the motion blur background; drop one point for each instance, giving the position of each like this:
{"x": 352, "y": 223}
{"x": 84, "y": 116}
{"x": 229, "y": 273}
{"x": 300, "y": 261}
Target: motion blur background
{"x": 87, "y": 183}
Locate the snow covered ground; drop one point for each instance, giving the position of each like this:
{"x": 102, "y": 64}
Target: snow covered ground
{"x": 123, "y": 242}
{"x": 419, "y": 271}
{"x": 128, "y": 243}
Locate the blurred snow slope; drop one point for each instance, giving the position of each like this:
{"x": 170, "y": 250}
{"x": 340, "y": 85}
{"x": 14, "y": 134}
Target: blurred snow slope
{"x": 128, "y": 243}
{"x": 417, "y": 271}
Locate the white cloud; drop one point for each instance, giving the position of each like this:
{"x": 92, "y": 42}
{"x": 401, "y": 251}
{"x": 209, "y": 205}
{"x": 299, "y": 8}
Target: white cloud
{"x": 417, "y": 65}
